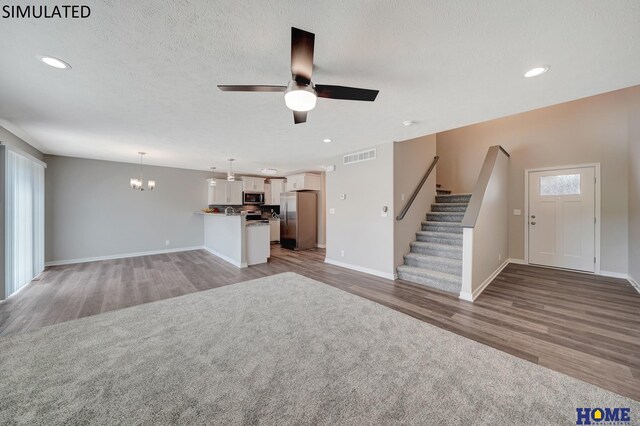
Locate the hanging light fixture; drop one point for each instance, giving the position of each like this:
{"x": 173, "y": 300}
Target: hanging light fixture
{"x": 137, "y": 183}
{"x": 230, "y": 176}
{"x": 212, "y": 180}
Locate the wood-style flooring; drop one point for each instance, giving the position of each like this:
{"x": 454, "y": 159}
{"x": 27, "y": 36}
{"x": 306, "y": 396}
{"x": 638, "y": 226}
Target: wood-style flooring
{"x": 585, "y": 326}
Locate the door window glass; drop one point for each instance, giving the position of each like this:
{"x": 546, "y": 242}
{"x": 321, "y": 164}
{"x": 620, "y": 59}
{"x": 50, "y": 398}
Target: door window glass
{"x": 560, "y": 185}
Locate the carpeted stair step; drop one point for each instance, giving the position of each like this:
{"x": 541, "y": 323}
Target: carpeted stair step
{"x": 448, "y": 227}
{"x": 449, "y": 207}
{"x": 434, "y": 249}
{"x": 443, "y": 191}
{"x": 434, "y": 263}
{"x": 439, "y": 237}
{"x": 453, "y": 198}
{"x": 433, "y": 279}
{"x": 445, "y": 216}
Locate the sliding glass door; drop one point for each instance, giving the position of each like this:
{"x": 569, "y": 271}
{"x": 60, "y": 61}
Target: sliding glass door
{"x": 24, "y": 220}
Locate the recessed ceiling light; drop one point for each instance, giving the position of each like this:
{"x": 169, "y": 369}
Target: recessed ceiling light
{"x": 268, "y": 171}
{"x": 326, "y": 140}
{"x": 407, "y": 123}
{"x": 534, "y": 72}
{"x": 55, "y": 62}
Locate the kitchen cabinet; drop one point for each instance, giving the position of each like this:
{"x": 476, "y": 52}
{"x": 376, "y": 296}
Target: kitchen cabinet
{"x": 277, "y": 187}
{"x": 304, "y": 182}
{"x": 252, "y": 184}
{"x": 267, "y": 193}
{"x": 225, "y": 193}
{"x": 275, "y": 229}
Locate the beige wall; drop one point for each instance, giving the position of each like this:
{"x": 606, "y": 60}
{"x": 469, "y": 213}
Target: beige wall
{"x": 357, "y": 228}
{"x": 591, "y": 130}
{"x": 411, "y": 159}
{"x": 634, "y": 183}
{"x": 90, "y": 211}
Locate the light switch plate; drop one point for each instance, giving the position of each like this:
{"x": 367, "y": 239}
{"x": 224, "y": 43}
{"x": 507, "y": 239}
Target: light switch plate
{"x": 517, "y": 212}
{"x": 332, "y": 211}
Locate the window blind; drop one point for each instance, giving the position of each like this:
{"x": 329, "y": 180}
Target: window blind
{"x": 24, "y": 221}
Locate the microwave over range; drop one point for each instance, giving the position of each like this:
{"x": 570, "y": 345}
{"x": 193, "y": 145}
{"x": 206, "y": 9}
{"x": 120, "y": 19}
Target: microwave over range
{"x": 253, "y": 198}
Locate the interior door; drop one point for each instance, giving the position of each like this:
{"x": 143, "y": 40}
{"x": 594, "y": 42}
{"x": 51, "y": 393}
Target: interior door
{"x": 561, "y": 218}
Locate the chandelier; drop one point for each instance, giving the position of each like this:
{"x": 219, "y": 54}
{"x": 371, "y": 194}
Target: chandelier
{"x": 137, "y": 183}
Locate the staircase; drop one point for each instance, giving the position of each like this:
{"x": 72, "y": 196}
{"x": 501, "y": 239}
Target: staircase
{"x": 435, "y": 259}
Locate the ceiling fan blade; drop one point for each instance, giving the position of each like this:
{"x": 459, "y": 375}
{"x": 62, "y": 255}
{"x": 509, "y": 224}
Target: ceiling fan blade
{"x": 299, "y": 117}
{"x": 302, "y": 43}
{"x": 251, "y": 88}
{"x": 343, "y": 92}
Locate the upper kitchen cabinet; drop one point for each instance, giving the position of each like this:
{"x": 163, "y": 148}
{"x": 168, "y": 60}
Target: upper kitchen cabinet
{"x": 225, "y": 193}
{"x": 252, "y": 184}
{"x": 304, "y": 182}
{"x": 277, "y": 188}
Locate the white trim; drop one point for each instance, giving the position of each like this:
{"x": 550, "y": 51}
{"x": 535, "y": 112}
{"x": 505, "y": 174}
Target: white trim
{"x": 634, "y": 283}
{"x": 119, "y": 256}
{"x": 470, "y": 297}
{"x": 598, "y": 209}
{"x": 517, "y": 261}
{"x": 226, "y": 258}
{"x": 321, "y": 245}
{"x": 611, "y": 274}
{"x": 24, "y": 154}
{"x": 361, "y": 269}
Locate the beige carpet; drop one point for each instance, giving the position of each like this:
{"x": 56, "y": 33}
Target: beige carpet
{"x": 278, "y": 350}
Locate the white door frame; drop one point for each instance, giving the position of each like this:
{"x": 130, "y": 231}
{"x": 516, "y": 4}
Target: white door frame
{"x": 597, "y": 212}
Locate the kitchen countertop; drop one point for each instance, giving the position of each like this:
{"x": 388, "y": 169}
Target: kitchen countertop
{"x": 218, "y": 214}
{"x": 256, "y": 223}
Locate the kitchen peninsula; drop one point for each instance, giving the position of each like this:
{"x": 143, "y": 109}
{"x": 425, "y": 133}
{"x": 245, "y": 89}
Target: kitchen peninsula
{"x": 234, "y": 239}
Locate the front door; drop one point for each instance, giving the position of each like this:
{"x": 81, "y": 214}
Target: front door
{"x": 561, "y": 218}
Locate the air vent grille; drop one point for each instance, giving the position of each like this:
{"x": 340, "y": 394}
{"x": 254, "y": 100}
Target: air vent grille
{"x": 358, "y": 157}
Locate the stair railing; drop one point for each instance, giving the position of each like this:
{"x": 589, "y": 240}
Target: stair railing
{"x": 407, "y": 206}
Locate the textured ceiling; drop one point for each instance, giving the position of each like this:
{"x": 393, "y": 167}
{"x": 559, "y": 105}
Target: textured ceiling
{"x": 145, "y": 72}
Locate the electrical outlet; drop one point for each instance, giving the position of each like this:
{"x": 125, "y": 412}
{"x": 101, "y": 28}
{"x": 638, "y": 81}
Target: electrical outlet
{"x": 342, "y": 253}
{"x": 332, "y": 211}
{"x": 167, "y": 243}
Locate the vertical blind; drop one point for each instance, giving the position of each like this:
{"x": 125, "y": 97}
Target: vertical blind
{"x": 24, "y": 221}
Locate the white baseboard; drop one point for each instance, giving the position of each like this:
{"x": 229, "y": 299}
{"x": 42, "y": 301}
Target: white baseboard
{"x": 361, "y": 269}
{"x": 226, "y": 258}
{"x": 613, "y": 274}
{"x": 634, "y": 283}
{"x": 517, "y": 261}
{"x": 119, "y": 256}
{"x": 470, "y": 297}
{"x": 321, "y": 245}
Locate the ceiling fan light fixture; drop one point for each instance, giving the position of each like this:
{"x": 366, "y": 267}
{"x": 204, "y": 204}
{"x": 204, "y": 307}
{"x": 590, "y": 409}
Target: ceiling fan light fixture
{"x": 299, "y": 97}
{"x": 268, "y": 171}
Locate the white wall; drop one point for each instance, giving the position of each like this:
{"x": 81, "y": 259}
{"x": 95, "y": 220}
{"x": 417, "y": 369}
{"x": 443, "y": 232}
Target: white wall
{"x": 411, "y": 160}
{"x": 357, "y": 228}
{"x": 90, "y": 210}
{"x": 590, "y": 130}
{"x": 634, "y": 184}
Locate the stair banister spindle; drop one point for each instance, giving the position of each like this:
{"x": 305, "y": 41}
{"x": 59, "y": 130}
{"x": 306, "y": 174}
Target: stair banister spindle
{"x": 407, "y": 206}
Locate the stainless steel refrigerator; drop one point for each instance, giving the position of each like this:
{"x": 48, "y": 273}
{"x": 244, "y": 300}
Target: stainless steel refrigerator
{"x": 298, "y": 220}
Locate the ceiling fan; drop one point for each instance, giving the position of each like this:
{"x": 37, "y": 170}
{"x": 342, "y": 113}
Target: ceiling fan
{"x": 300, "y": 94}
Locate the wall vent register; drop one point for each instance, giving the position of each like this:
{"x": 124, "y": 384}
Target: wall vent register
{"x": 358, "y": 157}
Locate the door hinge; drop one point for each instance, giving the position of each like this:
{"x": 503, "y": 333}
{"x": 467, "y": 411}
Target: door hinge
{"x": 594, "y": 260}
{"x": 594, "y": 220}
{"x": 595, "y": 180}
